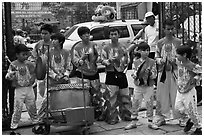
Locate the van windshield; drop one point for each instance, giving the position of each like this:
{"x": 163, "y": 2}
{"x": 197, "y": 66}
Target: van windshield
{"x": 70, "y": 31}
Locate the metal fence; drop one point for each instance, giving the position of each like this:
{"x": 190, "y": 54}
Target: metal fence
{"x": 187, "y": 17}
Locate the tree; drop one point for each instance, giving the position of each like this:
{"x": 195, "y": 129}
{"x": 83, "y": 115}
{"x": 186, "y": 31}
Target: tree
{"x": 59, "y": 9}
{"x": 85, "y": 11}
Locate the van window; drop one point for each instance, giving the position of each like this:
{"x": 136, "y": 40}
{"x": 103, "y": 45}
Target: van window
{"x": 70, "y": 31}
{"x": 123, "y": 31}
{"x": 98, "y": 33}
{"x": 136, "y": 28}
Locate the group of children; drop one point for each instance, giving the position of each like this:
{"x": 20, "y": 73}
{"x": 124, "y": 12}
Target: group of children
{"x": 176, "y": 80}
{"x": 23, "y": 73}
{"x": 173, "y": 60}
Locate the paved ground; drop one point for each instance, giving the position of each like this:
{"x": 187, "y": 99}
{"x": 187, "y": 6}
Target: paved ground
{"x": 102, "y": 128}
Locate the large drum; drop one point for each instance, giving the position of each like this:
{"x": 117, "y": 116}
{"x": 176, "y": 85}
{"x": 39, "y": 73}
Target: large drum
{"x": 65, "y": 96}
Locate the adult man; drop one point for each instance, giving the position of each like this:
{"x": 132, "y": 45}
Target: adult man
{"x": 151, "y": 33}
{"x": 139, "y": 37}
{"x": 141, "y": 34}
{"x": 115, "y": 58}
{"x": 166, "y": 82}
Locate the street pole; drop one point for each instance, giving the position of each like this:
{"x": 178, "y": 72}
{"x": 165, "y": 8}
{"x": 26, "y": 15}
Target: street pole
{"x": 161, "y": 18}
{"x": 8, "y": 31}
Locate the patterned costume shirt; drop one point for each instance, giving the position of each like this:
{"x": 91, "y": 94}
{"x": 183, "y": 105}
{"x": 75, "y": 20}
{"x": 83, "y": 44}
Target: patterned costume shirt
{"x": 89, "y": 66}
{"x": 186, "y": 74}
{"x": 25, "y": 74}
{"x": 118, "y": 52}
{"x": 144, "y": 72}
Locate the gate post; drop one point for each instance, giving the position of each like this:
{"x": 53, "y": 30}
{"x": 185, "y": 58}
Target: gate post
{"x": 161, "y": 18}
{"x": 8, "y": 31}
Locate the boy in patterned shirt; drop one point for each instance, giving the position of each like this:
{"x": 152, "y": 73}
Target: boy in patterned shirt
{"x": 189, "y": 74}
{"x": 115, "y": 58}
{"x": 144, "y": 74}
{"x": 22, "y": 74}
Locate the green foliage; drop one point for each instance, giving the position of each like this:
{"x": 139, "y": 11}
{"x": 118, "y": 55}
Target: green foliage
{"x": 59, "y": 9}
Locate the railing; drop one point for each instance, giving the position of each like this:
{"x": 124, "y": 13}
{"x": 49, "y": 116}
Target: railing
{"x": 187, "y": 18}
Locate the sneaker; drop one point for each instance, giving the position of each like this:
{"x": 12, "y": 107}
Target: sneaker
{"x": 188, "y": 126}
{"x": 38, "y": 129}
{"x": 182, "y": 123}
{"x": 153, "y": 126}
{"x": 198, "y": 131}
{"x": 161, "y": 123}
{"x": 131, "y": 126}
{"x": 134, "y": 118}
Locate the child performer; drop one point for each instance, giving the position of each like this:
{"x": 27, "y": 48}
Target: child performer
{"x": 144, "y": 74}
{"x": 22, "y": 74}
{"x": 186, "y": 99}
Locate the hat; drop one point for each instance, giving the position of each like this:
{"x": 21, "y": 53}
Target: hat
{"x": 148, "y": 14}
{"x": 22, "y": 48}
{"x": 67, "y": 28}
{"x": 62, "y": 31}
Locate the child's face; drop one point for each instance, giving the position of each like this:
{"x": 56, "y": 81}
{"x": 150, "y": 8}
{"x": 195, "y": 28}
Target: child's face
{"x": 85, "y": 36}
{"x": 45, "y": 35}
{"x": 114, "y": 35}
{"x": 144, "y": 53}
{"x": 169, "y": 30}
{"x": 22, "y": 56}
{"x": 56, "y": 43}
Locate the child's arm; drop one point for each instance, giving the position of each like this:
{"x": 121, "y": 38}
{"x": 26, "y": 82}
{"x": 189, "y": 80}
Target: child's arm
{"x": 68, "y": 63}
{"x": 96, "y": 55}
{"x": 153, "y": 71}
{"x": 134, "y": 74}
{"x": 32, "y": 69}
{"x": 11, "y": 74}
{"x": 104, "y": 58}
{"x": 198, "y": 70}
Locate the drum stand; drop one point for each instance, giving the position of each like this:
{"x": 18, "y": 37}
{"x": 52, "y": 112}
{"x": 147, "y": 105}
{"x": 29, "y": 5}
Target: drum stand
{"x": 47, "y": 123}
{"x": 85, "y": 129}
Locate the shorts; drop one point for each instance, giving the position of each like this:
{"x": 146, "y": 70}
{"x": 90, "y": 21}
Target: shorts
{"x": 116, "y": 78}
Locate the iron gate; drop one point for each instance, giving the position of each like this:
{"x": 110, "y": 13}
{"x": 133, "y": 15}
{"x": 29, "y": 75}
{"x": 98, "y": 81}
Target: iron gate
{"x": 187, "y": 17}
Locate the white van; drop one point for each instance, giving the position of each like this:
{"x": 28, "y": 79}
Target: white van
{"x": 99, "y": 32}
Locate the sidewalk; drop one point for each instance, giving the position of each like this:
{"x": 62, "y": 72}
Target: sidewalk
{"x": 102, "y": 128}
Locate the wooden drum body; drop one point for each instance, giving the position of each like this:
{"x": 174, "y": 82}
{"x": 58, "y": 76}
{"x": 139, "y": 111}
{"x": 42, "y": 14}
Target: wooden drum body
{"x": 66, "y": 96}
